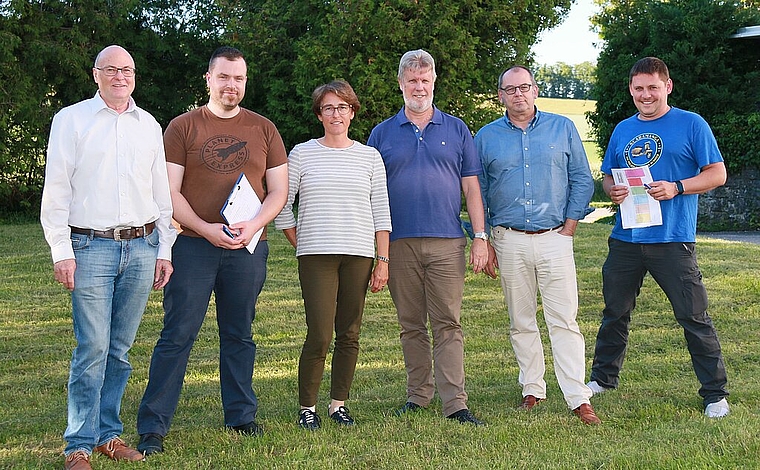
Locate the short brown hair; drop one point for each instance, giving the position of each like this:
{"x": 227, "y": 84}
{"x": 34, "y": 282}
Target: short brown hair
{"x": 649, "y": 66}
{"x": 341, "y": 89}
{"x": 229, "y": 53}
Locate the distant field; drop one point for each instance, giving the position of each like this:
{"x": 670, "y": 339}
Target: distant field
{"x": 575, "y": 110}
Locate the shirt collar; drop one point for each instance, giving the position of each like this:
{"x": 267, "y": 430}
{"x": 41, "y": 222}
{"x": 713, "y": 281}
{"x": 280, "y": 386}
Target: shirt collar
{"x": 533, "y": 122}
{"x": 98, "y": 105}
{"x": 401, "y": 118}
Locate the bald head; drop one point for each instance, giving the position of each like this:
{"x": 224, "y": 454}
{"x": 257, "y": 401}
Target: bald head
{"x": 114, "y": 85}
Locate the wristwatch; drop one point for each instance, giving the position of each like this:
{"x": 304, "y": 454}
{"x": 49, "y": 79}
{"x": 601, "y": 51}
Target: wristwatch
{"x": 481, "y": 235}
{"x": 679, "y": 186}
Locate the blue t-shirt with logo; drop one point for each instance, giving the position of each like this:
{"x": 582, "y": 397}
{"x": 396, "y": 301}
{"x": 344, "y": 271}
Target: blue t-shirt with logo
{"x": 675, "y": 147}
{"x": 424, "y": 170}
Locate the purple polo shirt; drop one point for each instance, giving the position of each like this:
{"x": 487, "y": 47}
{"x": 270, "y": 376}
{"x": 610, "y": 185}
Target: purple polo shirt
{"x": 424, "y": 170}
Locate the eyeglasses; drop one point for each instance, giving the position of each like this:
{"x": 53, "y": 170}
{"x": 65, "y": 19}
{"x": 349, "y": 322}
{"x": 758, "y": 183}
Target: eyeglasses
{"x": 111, "y": 71}
{"x": 511, "y": 90}
{"x": 329, "y": 110}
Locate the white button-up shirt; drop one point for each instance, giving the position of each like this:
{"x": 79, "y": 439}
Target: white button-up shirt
{"x": 105, "y": 170}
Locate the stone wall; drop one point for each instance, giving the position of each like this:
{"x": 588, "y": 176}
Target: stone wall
{"x": 733, "y": 206}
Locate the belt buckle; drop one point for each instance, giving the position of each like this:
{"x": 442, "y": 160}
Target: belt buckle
{"x": 117, "y": 233}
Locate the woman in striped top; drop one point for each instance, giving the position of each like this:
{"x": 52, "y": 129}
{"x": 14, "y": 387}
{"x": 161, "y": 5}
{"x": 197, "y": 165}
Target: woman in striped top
{"x": 343, "y": 214}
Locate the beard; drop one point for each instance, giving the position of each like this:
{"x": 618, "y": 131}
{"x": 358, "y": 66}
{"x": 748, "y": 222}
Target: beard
{"x": 228, "y": 102}
{"x": 417, "y": 105}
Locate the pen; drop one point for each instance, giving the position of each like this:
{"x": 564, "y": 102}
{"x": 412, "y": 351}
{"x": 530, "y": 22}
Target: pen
{"x": 647, "y": 186}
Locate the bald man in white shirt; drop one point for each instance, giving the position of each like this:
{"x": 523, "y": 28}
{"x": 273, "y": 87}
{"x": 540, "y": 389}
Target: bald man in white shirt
{"x": 106, "y": 213}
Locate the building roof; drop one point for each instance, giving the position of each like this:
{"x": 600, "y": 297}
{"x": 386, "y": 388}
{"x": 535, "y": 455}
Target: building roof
{"x": 747, "y": 32}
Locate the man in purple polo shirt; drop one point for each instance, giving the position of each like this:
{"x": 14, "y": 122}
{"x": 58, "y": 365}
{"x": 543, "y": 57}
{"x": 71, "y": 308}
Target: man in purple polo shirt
{"x": 430, "y": 159}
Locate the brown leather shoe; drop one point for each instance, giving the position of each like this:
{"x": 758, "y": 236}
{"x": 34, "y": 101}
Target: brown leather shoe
{"x": 78, "y": 460}
{"x": 116, "y": 449}
{"x": 528, "y": 402}
{"x": 586, "y": 414}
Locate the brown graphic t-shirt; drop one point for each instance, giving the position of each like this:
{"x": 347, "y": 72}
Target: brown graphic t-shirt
{"x": 214, "y": 151}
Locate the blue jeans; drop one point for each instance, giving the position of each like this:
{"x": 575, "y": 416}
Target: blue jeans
{"x": 236, "y": 277}
{"x": 112, "y": 283}
{"x": 674, "y": 267}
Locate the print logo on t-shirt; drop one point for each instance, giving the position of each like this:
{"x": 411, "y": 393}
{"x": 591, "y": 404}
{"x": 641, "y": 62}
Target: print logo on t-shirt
{"x": 644, "y": 149}
{"x": 224, "y": 153}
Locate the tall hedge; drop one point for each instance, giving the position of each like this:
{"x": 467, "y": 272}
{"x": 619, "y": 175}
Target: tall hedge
{"x": 713, "y": 74}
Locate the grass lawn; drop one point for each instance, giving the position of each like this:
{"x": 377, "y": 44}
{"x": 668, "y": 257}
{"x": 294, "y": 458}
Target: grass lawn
{"x": 653, "y": 421}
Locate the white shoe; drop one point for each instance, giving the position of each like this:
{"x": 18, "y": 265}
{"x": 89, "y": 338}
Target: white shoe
{"x": 596, "y": 389}
{"x": 718, "y": 409}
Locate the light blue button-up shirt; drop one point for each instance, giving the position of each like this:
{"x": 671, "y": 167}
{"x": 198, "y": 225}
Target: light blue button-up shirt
{"x": 534, "y": 179}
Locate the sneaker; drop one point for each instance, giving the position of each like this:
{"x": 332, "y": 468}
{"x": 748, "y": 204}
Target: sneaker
{"x": 718, "y": 409}
{"x": 248, "y": 429}
{"x": 116, "y": 449}
{"x": 596, "y": 389}
{"x": 342, "y": 417}
{"x": 79, "y": 460}
{"x": 408, "y": 407}
{"x": 151, "y": 444}
{"x": 465, "y": 416}
{"x": 308, "y": 419}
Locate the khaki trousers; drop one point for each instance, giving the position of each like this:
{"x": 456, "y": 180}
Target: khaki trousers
{"x": 544, "y": 262}
{"x": 426, "y": 284}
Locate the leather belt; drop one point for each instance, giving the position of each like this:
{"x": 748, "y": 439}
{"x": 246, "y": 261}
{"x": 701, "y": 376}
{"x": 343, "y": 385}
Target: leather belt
{"x": 125, "y": 233}
{"x": 534, "y": 232}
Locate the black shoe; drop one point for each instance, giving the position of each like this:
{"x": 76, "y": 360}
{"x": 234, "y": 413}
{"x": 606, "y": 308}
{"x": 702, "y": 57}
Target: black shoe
{"x": 249, "y": 429}
{"x": 466, "y": 416}
{"x": 342, "y": 417}
{"x": 151, "y": 444}
{"x": 408, "y": 407}
{"x": 308, "y": 419}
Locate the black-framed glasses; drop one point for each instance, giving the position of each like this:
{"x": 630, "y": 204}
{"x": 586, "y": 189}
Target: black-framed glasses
{"x": 511, "y": 90}
{"x": 111, "y": 71}
{"x": 329, "y": 110}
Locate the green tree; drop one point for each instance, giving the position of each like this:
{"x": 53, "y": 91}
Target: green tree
{"x": 47, "y": 50}
{"x": 713, "y": 74}
{"x": 295, "y": 46}
{"x": 566, "y": 81}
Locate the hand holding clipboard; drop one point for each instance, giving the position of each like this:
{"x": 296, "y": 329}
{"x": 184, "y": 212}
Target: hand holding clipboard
{"x": 242, "y": 205}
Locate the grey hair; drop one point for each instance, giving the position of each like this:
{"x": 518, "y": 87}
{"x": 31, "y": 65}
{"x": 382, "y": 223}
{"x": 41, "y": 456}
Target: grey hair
{"x": 416, "y": 60}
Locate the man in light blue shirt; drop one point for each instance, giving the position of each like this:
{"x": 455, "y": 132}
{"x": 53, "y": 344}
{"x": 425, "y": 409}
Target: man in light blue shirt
{"x": 537, "y": 184}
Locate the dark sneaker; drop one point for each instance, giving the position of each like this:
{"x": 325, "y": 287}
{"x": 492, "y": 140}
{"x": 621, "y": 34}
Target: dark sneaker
{"x": 308, "y": 419}
{"x": 465, "y": 416}
{"x": 151, "y": 444}
{"x": 249, "y": 429}
{"x": 342, "y": 417}
{"x": 408, "y": 407}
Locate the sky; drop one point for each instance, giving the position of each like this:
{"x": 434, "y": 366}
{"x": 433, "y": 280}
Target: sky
{"x": 571, "y": 42}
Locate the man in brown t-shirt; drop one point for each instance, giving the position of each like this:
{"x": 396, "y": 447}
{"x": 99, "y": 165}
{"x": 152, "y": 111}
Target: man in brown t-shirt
{"x": 206, "y": 150}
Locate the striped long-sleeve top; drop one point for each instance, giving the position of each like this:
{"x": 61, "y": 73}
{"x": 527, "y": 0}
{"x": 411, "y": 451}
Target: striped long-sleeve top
{"x": 342, "y": 199}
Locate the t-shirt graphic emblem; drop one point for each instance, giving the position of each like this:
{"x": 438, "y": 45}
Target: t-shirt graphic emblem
{"x": 224, "y": 153}
{"x": 644, "y": 149}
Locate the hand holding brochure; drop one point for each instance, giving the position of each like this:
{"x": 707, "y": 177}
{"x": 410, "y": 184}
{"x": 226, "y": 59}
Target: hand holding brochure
{"x": 639, "y": 209}
{"x": 242, "y": 205}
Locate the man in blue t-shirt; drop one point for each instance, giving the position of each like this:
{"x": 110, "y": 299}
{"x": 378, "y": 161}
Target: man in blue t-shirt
{"x": 683, "y": 157}
{"x": 430, "y": 159}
